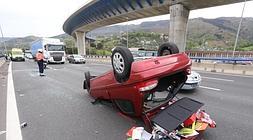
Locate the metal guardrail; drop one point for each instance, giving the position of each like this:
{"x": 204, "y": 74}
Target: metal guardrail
{"x": 220, "y": 54}
{"x": 98, "y": 56}
{"x": 223, "y": 59}
{"x": 205, "y": 55}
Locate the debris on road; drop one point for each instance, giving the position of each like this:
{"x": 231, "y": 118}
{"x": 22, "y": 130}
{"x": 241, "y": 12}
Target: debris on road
{"x": 23, "y": 125}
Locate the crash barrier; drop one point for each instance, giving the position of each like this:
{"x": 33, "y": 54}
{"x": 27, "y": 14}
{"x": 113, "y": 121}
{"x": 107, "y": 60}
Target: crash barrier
{"x": 97, "y": 56}
{"x": 220, "y": 54}
{"x": 224, "y": 68}
{"x": 208, "y": 55}
{"x": 98, "y": 60}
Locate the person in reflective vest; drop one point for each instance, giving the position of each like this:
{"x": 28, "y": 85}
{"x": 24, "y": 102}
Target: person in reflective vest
{"x": 40, "y": 59}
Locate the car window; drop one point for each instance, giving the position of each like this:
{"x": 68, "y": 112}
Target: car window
{"x": 77, "y": 56}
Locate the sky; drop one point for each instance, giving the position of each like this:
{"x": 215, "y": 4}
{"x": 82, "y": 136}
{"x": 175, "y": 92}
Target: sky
{"x": 44, "y": 18}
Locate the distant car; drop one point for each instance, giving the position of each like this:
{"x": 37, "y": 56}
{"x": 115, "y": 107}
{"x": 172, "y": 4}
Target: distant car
{"x": 75, "y": 58}
{"x": 193, "y": 81}
{"x": 28, "y": 55}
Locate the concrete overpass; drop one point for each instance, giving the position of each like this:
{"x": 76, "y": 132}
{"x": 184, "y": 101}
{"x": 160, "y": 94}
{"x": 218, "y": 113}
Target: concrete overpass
{"x": 98, "y": 13}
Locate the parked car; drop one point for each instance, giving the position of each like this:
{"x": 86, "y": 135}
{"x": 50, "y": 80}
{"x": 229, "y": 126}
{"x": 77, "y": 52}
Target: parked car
{"x": 142, "y": 54}
{"x": 75, "y": 58}
{"x": 193, "y": 81}
{"x": 146, "y": 88}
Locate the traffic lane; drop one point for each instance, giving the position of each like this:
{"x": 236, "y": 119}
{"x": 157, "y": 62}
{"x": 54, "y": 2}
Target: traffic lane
{"x": 95, "y": 69}
{"x": 56, "y": 109}
{"x": 221, "y": 104}
{"x": 3, "y": 96}
{"x": 226, "y": 110}
{"x": 228, "y": 113}
{"x": 244, "y": 81}
{"x": 238, "y": 92}
{"x": 217, "y": 113}
{"x": 232, "y": 123}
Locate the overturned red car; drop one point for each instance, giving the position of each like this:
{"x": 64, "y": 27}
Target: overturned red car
{"x": 147, "y": 88}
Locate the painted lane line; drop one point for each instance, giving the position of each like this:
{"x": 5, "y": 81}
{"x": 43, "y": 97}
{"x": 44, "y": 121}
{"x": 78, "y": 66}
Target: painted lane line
{"x": 220, "y": 79}
{"x": 2, "y": 132}
{"x": 13, "y": 130}
{"x": 225, "y": 74}
{"x": 216, "y": 89}
{"x": 51, "y": 68}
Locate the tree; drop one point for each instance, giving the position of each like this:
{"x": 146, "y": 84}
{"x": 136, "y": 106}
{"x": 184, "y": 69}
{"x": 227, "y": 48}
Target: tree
{"x": 100, "y": 46}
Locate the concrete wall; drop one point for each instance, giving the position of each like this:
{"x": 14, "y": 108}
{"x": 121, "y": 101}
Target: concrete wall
{"x": 224, "y": 68}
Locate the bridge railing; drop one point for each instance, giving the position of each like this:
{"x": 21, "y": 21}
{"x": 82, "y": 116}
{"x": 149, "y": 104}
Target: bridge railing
{"x": 202, "y": 54}
{"x": 220, "y": 54}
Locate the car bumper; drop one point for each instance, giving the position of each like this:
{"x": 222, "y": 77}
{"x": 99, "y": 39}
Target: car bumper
{"x": 190, "y": 86}
{"x": 18, "y": 59}
{"x": 58, "y": 60}
{"x": 79, "y": 61}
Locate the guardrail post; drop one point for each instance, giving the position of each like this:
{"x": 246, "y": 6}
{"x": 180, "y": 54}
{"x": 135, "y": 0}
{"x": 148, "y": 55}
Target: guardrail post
{"x": 213, "y": 70}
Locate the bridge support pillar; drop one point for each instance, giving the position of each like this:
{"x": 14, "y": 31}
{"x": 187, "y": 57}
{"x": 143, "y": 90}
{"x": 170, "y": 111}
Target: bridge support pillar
{"x": 80, "y": 43}
{"x": 178, "y": 25}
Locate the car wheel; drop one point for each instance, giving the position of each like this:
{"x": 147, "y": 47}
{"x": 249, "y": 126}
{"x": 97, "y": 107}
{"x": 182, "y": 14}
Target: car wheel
{"x": 122, "y": 60}
{"x": 86, "y": 82}
{"x": 167, "y": 49}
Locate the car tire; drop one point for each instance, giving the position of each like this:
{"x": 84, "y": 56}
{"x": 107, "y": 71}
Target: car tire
{"x": 86, "y": 82}
{"x": 167, "y": 49}
{"x": 122, "y": 60}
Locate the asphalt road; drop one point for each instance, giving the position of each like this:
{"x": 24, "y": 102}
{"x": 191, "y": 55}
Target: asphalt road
{"x": 57, "y": 108}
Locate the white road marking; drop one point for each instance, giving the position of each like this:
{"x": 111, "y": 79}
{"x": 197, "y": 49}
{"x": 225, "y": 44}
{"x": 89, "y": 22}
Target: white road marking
{"x": 108, "y": 65}
{"x": 226, "y": 74}
{"x": 13, "y": 130}
{"x": 24, "y": 70}
{"x": 51, "y": 68}
{"x": 220, "y": 79}
{"x": 2, "y": 132}
{"x": 32, "y": 75}
{"x": 216, "y": 89}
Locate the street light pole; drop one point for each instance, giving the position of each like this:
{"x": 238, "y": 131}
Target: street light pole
{"x": 3, "y": 40}
{"x": 239, "y": 28}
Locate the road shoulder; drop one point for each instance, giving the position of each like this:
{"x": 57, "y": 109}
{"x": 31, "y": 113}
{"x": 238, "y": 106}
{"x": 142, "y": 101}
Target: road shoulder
{"x": 3, "y": 97}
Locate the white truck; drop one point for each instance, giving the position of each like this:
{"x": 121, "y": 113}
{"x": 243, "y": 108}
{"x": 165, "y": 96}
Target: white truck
{"x": 53, "y": 49}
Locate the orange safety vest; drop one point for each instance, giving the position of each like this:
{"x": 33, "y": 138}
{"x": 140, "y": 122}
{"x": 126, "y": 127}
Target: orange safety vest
{"x": 39, "y": 56}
